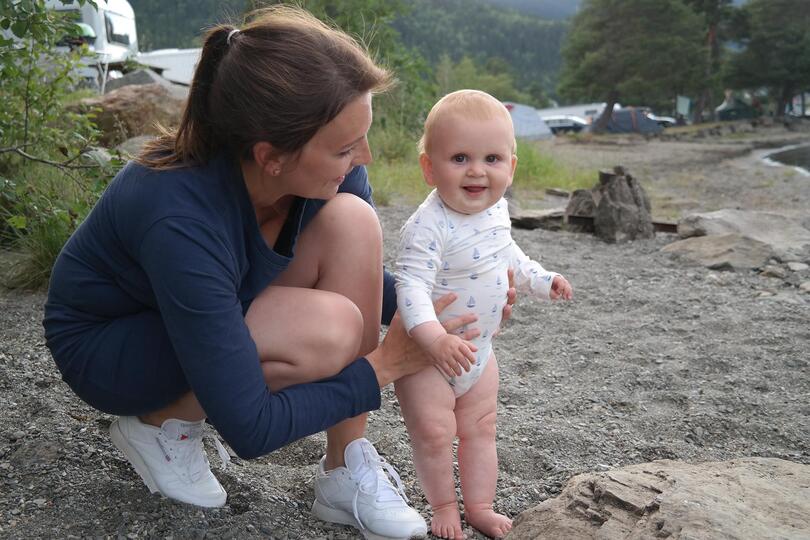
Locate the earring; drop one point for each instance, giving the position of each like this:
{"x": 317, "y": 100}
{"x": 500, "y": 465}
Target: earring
{"x": 276, "y": 172}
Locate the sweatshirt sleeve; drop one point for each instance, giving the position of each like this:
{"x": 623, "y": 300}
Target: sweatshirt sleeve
{"x": 530, "y": 276}
{"x": 194, "y": 278}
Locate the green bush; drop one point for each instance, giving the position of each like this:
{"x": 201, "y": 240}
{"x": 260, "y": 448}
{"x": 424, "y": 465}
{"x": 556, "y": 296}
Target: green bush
{"x": 50, "y": 176}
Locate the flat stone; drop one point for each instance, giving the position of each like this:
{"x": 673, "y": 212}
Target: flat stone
{"x": 722, "y": 252}
{"x": 734, "y": 500}
{"x": 797, "y": 266}
{"x": 773, "y": 271}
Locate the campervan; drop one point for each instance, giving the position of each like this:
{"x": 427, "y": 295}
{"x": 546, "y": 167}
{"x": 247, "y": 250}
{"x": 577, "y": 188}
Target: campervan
{"x": 112, "y": 22}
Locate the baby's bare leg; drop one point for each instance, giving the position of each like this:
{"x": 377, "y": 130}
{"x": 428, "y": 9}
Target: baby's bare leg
{"x": 477, "y": 456}
{"x": 427, "y": 403}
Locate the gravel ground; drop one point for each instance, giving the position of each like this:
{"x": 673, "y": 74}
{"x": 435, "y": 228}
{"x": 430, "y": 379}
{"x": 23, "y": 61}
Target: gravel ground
{"x": 655, "y": 358}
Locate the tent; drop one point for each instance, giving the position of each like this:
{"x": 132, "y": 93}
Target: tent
{"x": 632, "y": 120}
{"x": 527, "y": 121}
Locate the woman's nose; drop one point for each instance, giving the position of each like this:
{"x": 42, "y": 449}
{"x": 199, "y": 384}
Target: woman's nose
{"x": 363, "y": 155}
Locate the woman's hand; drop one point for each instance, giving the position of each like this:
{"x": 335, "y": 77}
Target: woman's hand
{"x": 398, "y": 355}
{"x": 511, "y": 298}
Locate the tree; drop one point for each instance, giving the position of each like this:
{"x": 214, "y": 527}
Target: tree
{"x": 716, "y": 13}
{"x": 494, "y": 79}
{"x": 776, "y": 53}
{"x": 640, "y": 51}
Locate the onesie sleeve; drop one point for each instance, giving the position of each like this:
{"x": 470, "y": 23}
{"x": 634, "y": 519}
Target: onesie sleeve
{"x": 530, "y": 276}
{"x": 418, "y": 261}
{"x": 194, "y": 277}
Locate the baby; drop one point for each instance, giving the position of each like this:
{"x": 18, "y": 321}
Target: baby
{"x": 459, "y": 241}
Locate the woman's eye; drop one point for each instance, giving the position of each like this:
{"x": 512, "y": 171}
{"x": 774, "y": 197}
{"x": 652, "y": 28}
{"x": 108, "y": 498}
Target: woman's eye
{"x": 346, "y": 152}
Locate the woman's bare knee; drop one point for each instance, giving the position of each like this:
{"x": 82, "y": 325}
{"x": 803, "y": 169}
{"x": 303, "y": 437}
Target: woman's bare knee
{"x": 341, "y": 337}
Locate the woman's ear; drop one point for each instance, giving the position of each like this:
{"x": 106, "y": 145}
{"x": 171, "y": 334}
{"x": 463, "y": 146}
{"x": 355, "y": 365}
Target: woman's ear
{"x": 427, "y": 169}
{"x": 268, "y": 158}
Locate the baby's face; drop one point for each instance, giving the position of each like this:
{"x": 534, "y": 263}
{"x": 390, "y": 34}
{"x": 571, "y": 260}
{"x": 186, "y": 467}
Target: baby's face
{"x": 471, "y": 162}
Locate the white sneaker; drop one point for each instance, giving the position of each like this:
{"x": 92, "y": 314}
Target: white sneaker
{"x": 170, "y": 459}
{"x": 362, "y": 495}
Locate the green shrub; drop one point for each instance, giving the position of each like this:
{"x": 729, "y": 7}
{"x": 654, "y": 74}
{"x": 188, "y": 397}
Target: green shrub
{"x": 50, "y": 176}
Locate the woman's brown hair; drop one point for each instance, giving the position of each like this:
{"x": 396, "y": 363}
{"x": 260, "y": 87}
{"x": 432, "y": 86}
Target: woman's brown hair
{"x": 279, "y": 79}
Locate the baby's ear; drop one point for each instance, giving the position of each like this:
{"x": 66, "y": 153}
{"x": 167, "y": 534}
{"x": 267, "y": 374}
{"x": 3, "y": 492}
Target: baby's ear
{"x": 514, "y": 166}
{"x": 427, "y": 169}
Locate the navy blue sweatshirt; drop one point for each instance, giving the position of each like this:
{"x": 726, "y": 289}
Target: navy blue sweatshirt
{"x": 186, "y": 243}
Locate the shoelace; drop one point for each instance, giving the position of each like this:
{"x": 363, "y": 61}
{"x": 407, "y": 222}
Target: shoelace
{"x": 189, "y": 457}
{"x": 372, "y": 477}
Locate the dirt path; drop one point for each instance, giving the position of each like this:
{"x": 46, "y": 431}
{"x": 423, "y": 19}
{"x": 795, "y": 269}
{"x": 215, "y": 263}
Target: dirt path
{"x": 653, "y": 359}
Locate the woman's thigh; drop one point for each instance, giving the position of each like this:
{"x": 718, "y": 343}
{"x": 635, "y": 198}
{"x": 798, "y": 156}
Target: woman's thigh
{"x": 125, "y": 366}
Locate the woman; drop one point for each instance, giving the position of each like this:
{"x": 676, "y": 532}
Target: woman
{"x": 234, "y": 272}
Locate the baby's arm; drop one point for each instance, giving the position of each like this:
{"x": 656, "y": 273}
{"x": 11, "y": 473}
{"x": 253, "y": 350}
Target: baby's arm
{"x": 532, "y": 277}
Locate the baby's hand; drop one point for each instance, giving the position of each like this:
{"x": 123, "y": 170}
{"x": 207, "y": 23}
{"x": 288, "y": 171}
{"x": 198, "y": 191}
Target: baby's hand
{"x": 451, "y": 354}
{"x": 560, "y": 288}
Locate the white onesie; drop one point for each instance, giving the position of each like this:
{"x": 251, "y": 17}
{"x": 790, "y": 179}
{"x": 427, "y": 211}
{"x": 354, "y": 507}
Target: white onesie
{"x": 443, "y": 251}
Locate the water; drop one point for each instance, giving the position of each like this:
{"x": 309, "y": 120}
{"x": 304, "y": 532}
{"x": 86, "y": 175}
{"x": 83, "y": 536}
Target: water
{"x": 794, "y": 157}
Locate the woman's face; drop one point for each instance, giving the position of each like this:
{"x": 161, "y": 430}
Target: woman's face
{"x": 336, "y": 149}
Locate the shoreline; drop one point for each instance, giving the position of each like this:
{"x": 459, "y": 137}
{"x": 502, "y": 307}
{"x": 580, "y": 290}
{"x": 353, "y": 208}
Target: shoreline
{"x": 770, "y": 159}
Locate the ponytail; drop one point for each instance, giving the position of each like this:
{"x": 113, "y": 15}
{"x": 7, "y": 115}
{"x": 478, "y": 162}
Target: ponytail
{"x": 194, "y": 141}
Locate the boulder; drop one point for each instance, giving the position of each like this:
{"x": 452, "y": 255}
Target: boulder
{"x": 730, "y": 500}
{"x": 134, "y": 110}
{"x": 146, "y": 76}
{"x": 623, "y": 210}
{"x": 723, "y": 252}
{"x": 783, "y": 234}
{"x": 618, "y": 205}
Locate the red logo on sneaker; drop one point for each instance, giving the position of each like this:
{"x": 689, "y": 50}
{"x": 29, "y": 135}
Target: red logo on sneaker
{"x": 183, "y": 437}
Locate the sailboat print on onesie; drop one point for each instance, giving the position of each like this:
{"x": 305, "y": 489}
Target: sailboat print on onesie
{"x": 471, "y": 302}
{"x": 476, "y": 255}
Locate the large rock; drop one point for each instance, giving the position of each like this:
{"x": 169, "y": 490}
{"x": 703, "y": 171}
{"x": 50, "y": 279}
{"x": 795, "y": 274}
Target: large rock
{"x": 618, "y": 205}
{"x": 740, "y": 499}
{"x": 141, "y": 77}
{"x": 723, "y": 252}
{"x": 623, "y": 210}
{"x": 134, "y": 110}
{"x": 783, "y": 234}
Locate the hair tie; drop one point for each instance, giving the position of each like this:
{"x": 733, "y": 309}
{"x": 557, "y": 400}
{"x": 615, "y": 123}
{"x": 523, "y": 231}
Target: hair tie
{"x": 230, "y": 35}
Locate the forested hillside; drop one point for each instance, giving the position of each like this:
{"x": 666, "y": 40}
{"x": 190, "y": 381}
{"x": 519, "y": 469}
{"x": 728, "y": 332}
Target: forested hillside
{"x": 529, "y": 46}
{"x": 496, "y": 38}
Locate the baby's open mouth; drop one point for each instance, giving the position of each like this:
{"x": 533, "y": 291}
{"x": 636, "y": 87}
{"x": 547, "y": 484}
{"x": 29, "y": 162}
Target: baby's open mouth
{"x": 474, "y": 189}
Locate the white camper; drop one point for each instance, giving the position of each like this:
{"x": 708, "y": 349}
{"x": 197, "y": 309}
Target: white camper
{"x": 113, "y": 23}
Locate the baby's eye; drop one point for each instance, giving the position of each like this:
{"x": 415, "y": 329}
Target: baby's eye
{"x": 492, "y": 158}
{"x": 459, "y": 158}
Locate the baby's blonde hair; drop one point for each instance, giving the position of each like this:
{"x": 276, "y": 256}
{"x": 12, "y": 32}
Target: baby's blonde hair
{"x": 473, "y": 104}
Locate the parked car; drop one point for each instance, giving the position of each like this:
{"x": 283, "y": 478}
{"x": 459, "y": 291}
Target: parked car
{"x": 565, "y": 123}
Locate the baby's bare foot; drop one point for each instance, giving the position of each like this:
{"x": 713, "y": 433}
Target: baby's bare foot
{"x": 446, "y": 522}
{"x": 486, "y": 520}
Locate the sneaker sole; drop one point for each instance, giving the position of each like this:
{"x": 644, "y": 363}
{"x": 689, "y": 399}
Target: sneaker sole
{"x": 133, "y": 457}
{"x": 333, "y": 515}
